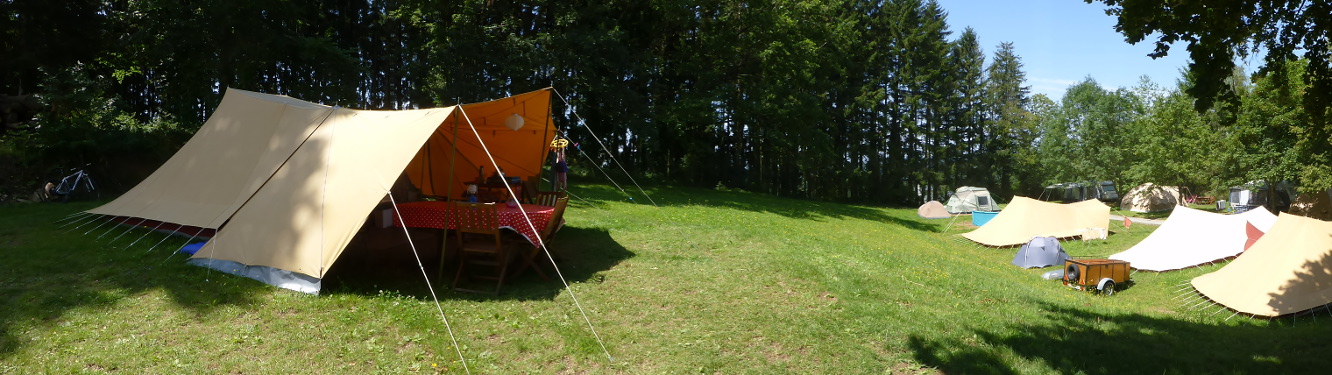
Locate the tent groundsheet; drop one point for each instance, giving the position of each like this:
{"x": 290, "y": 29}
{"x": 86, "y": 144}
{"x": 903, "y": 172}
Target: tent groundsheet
{"x": 1025, "y": 218}
{"x": 286, "y": 184}
{"x": 1190, "y": 237}
{"x": 1288, "y": 270}
{"x": 1040, "y": 252}
{"x": 933, "y": 210}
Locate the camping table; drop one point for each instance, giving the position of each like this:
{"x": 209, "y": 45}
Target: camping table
{"x": 436, "y": 215}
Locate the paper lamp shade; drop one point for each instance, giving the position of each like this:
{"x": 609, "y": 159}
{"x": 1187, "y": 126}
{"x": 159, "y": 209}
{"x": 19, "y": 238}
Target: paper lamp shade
{"x": 514, "y": 122}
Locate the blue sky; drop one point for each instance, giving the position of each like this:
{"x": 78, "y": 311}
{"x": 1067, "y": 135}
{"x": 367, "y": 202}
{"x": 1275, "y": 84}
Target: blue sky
{"x": 1061, "y": 42}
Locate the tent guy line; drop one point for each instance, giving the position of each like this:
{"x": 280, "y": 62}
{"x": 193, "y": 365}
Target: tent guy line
{"x": 540, "y": 242}
{"x": 583, "y": 122}
{"x": 430, "y": 287}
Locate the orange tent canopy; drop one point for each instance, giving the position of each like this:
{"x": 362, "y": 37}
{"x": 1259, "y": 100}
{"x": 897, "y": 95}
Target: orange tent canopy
{"x": 455, "y": 147}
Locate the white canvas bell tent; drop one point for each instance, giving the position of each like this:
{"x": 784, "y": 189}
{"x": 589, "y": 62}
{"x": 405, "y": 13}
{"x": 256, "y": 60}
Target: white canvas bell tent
{"x": 1190, "y": 237}
{"x": 1150, "y": 197}
{"x": 287, "y": 183}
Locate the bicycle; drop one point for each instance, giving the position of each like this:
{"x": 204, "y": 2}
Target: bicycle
{"x": 77, "y": 183}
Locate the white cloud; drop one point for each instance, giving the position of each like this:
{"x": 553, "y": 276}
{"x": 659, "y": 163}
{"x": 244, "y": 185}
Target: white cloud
{"x": 1051, "y": 87}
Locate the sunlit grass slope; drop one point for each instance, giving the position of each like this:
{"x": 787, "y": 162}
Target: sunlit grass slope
{"x": 703, "y": 281}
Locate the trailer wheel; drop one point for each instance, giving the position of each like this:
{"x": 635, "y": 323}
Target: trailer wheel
{"x": 1107, "y": 286}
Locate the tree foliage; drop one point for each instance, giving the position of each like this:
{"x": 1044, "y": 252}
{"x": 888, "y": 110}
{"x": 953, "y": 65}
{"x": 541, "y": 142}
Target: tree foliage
{"x": 1216, "y": 34}
{"x": 876, "y": 101}
{"x": 867, "y": 101}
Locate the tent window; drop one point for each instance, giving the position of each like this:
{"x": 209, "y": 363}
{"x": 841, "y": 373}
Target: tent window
{"x": 983, "y": 201}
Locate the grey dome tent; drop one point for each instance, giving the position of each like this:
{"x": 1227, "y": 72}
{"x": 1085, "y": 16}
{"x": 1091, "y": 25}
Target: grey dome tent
{"x": 970, "y": 198}
{"x": 1040, "y": 252}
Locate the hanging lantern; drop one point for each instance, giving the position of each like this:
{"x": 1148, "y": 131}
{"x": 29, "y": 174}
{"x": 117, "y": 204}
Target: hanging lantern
{"x": 514, "y": 122}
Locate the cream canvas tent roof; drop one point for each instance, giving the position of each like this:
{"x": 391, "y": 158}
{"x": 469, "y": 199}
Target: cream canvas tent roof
{"x": 933, "y": 210}
{"x": 1192, "y": 237}
{"x": 287, "y": 183}
{"x": 1287, "y": 271}
{"x": 1150, "y": 197}
{"x": 1025, "y": 218}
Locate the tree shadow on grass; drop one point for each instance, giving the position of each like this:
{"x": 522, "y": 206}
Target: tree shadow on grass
{"x": 754, "y": 202}
{"x": 1076, "y": 340}
{"x": 49, "y": 271}
{"x": 582, "y": 255}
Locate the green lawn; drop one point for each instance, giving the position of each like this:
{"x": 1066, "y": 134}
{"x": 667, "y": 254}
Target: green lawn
{"x": 709, "y": 282}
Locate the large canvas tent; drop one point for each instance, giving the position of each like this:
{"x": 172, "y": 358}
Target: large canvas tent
{"x": 1150, "y": 197}
{"x": 287, "y": 183}
{"x": 1191, "y": 237}
{"x": 971, "y": 198}
{"x": 1288, "y": 270}
{"x": 1025, "y": 218}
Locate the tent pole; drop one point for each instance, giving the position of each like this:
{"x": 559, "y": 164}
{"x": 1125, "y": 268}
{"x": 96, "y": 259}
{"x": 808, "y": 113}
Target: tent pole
{"x": 453, "y": 158}
{"x": 453, "y": 161}
{"x": 545, "y": 145}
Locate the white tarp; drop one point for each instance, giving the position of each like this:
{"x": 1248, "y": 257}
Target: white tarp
{"x": 1192, "y": 237}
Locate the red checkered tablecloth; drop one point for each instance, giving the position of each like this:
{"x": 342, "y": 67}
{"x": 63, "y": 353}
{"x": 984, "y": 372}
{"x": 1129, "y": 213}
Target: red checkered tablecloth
{"x": 437, "y": 215}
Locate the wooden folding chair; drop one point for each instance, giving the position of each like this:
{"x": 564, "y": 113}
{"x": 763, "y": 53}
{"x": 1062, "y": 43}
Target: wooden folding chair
{"x": 546, "y": 198}
{"x": 479, "y": 244}
{"x": 551, "y": 226}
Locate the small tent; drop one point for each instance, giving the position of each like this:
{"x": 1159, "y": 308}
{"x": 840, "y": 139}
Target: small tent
{"x": 1040, "y": 252}
{"x": 286, "y": 183}
{"x": 1288, "y": 270}
{"x": 970, "y": 198}
{"x": 933, "y": 210}
{"x": 1025, "y": 218}
{"x": 1150, "y": 197}
{"x": 1191, "y": 237}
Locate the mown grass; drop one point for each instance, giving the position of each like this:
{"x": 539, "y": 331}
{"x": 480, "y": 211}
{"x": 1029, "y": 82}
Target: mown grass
{"x": 709, "y": 282}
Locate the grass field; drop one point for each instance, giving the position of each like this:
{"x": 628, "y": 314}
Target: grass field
{"x": 709, "y": 282}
